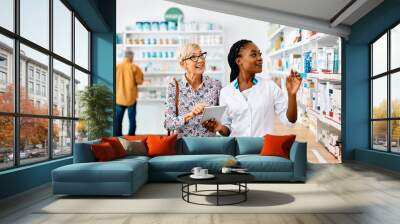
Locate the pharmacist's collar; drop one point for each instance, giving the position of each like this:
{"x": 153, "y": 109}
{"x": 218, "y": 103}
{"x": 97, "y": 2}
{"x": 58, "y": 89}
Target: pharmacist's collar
{"x": 236, "y": 82}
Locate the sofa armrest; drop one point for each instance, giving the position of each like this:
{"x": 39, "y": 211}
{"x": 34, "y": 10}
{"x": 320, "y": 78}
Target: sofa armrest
{"x": 298, "y": 155}
{"x": 83, "y": 152}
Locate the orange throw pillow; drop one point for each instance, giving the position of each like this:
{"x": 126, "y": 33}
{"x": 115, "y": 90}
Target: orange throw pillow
{"x": 135, "y": 137}
{"x": 275, "y": 145}
{"x": 103, "y": 152}
{"x": 161, "y": 145}
{"x": 116, "y": 145}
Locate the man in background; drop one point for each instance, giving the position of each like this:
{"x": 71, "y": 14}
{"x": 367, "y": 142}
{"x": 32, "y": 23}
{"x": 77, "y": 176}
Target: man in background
{"x": 128, "y": 77}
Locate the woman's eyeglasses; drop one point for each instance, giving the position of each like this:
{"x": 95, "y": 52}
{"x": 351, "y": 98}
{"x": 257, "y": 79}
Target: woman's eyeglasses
{"x": 195, "y": 58}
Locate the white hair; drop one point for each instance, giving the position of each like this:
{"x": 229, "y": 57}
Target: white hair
{"x": 185, "y": 51}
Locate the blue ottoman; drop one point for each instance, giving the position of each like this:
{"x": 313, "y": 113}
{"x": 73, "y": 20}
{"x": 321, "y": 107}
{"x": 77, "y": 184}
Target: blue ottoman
{"x": 119, "y": 177}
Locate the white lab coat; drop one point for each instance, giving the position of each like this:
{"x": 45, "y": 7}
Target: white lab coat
{"x": 254, "y": 116}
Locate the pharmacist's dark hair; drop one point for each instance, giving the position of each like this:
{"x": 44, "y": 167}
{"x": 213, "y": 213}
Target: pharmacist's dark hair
{"x": 233, "y": 54}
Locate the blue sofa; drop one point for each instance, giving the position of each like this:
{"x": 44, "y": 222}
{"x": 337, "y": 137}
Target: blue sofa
{"x": 125, "y": 176}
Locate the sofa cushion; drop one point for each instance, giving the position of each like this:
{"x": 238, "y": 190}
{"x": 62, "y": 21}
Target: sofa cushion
{"x": 277, "y": 145}
{"x": 116, "y": 145}
{"x": 185, "y": 163}
{"x": 131, "y": 158}
{"x": 161, "y": 145}
{"x": 112, "y": 171}
{"x": 103, "y": 152}
{"x": 134, "y": 147}
{"x": 83, "y": 152}
{"x": 135, "y": 137}
{"x": 257, "y": 163}
{"x": 208, "y": 145}
{"x": 249, "y": 145}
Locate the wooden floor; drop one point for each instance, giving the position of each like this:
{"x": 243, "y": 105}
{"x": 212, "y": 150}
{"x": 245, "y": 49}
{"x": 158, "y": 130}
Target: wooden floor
{"x": 377, "y": 189}
{"x": 304, "y": 134}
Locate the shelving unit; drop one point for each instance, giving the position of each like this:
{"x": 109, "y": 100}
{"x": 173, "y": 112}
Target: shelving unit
{"x": 155, "y": 53}
{"x": 319, "y": 99}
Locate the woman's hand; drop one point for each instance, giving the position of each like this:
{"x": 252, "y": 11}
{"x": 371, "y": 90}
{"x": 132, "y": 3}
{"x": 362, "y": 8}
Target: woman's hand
{"x": 198, "y": 109}
{"x": 212, "y": 125}
{"x": 293, "y": 82}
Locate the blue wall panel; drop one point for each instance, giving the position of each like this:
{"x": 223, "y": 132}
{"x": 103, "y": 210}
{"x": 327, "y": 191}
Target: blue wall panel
{"x": 357, "y": 101}
{"x": 24, "y": 178}
{"x": 103, "y": 59}
{"x": 100, "y": 16}
{"x": 377, "y": 158}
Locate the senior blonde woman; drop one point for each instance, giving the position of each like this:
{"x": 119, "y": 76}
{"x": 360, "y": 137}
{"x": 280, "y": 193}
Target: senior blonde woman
{"x": 187, "y": 96}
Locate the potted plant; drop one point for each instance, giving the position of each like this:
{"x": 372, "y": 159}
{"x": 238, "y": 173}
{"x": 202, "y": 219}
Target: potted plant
{"x": 96, "y": 105}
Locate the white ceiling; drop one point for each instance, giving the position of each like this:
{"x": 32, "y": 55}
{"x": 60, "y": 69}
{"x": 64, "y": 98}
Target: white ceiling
{"x": 320, "y": 9}
{"x": 314, "y": 15}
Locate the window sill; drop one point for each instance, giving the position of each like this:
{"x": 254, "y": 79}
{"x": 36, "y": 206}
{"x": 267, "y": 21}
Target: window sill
{"x": 26, "y": 167}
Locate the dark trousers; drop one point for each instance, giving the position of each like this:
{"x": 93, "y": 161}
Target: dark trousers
{"x": 132, "y": 119}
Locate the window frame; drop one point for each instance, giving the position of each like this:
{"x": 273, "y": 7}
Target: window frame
{"x": 15, "y": 68}
{"x": 388, "y": 74}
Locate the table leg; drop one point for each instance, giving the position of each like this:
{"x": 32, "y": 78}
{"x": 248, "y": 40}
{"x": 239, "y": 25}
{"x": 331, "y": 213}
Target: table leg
{"x": 188, "y": 190}
{"x": 182, "y": 188}
{"x": 196, "y": 188}
{"x": 217, "y": 194}
{"x": 245, "y": 193}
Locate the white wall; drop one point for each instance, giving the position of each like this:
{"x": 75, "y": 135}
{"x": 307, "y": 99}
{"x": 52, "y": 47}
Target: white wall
{"x": 235, "y": 28}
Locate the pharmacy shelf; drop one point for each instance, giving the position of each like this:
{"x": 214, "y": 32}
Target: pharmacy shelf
{"x": 152, "y": 45}
{"x": 167, "y": 45}
{"x": 278, "y": 72}
{"x": 188, "y": 32}
{"x": 324, "y": 119}
{"x": 330, "y": 77}
{"x": 171, "y": 59}
{"x": 325, "y": 77}
{"x": 274, "y": 34}
{"x": 320, "y": 37}
{"x": 179, "y": 73}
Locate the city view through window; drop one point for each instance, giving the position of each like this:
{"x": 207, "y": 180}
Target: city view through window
{"x": 385, "y": 80}
{"x": 39, "y": 113}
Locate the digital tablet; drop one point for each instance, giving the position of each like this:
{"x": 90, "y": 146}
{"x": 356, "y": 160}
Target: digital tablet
{"x": 214, "y": 112}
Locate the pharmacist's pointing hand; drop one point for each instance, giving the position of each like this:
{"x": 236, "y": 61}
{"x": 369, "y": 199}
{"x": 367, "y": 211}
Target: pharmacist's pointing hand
{"x": 293, "y": 82}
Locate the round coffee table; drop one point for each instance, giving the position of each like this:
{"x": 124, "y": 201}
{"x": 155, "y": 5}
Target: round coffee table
{"x": 238, "y": 179}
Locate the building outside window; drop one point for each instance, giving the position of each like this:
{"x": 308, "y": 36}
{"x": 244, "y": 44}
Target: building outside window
{"x": 30, "y": 72}
{"x": 3, "y": 78}
{"x": 44, "y": 77}
{"x": 3, "y": 61}
{"x": 43, "y": 90}
{"x": 30, "y": 87}
{"x": 37, "y": 74}
{"x": 385, "y": 96}
{"x": 3, "y": 71}
{"x": 34, "y": 82}
{"x": 38, "y": 89}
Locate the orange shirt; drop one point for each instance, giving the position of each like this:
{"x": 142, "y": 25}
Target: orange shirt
{"x": 128, "y": 76}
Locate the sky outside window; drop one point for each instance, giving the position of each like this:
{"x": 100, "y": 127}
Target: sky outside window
{"x": 7, "y": 14}
{"x": 62, "y": 29}
{"x": 379, "y": 55}
{"x": 35, "y": 21}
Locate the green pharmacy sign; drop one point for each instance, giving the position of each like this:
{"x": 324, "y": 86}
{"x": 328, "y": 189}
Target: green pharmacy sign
{"x": 174, "y": 14}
